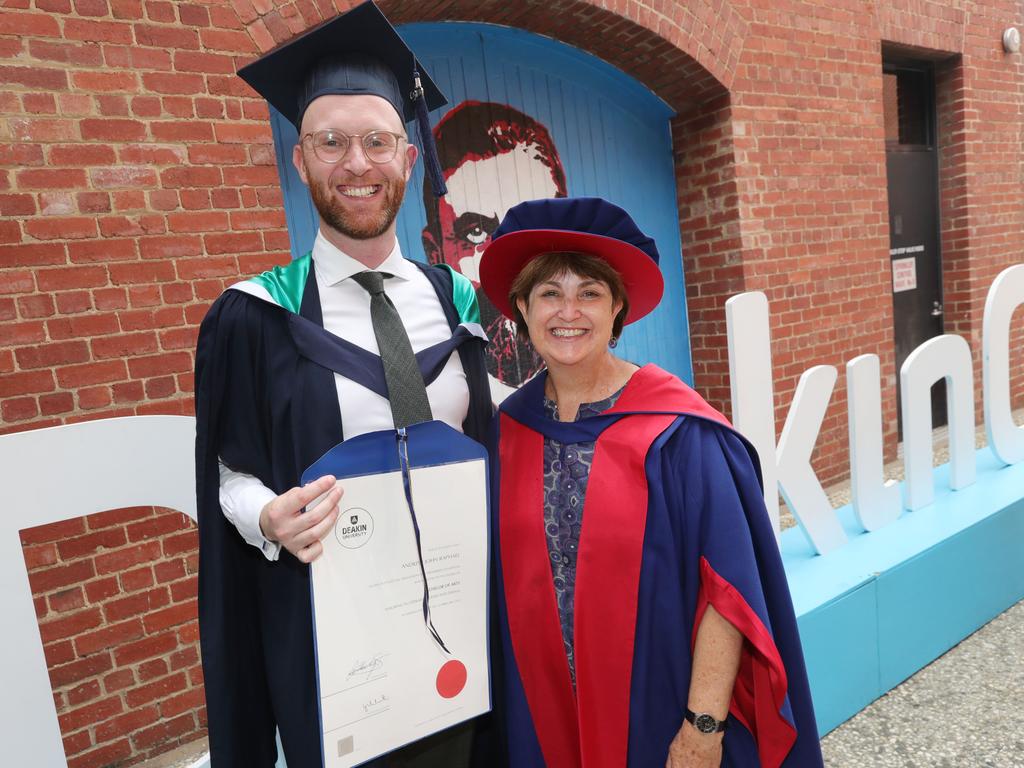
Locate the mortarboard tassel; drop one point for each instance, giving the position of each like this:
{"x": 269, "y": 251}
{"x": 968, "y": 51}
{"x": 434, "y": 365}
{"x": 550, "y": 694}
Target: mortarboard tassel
{"x": 431, "y": 165}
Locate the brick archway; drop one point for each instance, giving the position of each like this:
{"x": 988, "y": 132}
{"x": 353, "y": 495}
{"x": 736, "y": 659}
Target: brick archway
{"x": 685, "y": 57}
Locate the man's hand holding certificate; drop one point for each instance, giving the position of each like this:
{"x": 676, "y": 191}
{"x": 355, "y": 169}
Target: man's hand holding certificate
{"x": 397, "y": 662}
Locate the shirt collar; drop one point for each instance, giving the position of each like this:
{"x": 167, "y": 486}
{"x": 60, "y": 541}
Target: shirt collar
{"x": 334, "y": 265}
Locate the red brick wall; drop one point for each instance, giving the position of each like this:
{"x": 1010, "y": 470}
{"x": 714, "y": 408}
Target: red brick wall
{"x": 135, "y": 183}
{"x": 981, "y": 137}
{"x": 115, "y": 595}
{"x": 811, "y": 167}
{"x": 137, "y": 179}
{"x": 805, "y": 120}
{"x": 710, "y": 237}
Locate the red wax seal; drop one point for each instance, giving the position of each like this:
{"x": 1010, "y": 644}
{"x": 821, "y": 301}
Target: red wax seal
{"x": 451, "y": 679}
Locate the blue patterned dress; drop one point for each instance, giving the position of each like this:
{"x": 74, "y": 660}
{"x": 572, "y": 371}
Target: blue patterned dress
{"x": 566, "y": 472}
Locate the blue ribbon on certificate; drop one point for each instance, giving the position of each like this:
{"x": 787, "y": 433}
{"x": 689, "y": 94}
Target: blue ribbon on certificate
{"x": 403, "y": 456}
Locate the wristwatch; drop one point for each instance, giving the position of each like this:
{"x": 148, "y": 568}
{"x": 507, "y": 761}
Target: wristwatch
{"x": 704, "y": 722}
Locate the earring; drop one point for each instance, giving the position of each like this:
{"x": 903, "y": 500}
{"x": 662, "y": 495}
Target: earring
{"x": 613, "y": 342}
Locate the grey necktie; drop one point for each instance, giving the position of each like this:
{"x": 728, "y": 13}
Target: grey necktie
{"x": 406, "y": 391}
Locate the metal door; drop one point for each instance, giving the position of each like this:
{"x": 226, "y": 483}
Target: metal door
{"x": 914, "y": 245}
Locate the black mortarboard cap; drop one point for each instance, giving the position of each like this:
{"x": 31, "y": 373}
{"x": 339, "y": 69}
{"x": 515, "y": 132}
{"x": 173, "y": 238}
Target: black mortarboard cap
{"x": 358, "y": 52}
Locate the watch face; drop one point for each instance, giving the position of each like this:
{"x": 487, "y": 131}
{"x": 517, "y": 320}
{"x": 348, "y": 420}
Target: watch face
{"x": 705, "y": 723}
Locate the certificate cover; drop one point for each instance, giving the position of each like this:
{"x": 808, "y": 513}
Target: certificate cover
{"x": 396, "y": 662}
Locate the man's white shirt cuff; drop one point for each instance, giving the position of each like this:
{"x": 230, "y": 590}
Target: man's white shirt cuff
{"x": 242, "y": 498}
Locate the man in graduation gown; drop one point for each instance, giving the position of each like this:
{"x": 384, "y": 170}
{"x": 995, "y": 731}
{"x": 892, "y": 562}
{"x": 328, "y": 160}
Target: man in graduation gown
{"x": 287, "y": 366}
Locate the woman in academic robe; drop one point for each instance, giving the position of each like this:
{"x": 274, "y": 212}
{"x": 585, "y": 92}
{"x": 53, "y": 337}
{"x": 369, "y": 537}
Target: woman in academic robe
{"x": 644, "y": 615}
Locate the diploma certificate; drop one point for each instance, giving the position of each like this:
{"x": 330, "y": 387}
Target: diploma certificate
{"x": 384, "y": 680}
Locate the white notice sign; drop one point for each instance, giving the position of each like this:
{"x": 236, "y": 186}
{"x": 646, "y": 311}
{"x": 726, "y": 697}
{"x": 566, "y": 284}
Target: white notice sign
{"x": 904, "y": 274}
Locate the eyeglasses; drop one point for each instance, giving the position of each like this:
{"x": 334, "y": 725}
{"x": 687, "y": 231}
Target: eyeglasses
{"x": 331, "y": 146}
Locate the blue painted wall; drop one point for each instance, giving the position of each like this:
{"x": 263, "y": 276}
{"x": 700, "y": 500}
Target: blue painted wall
{"x": 612, "y": 135}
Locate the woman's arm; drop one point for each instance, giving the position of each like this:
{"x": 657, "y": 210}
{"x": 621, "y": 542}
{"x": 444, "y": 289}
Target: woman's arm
{"x": 716, "y": 660}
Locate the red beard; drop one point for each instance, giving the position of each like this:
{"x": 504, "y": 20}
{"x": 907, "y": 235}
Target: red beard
{"x": 362, "y": 225}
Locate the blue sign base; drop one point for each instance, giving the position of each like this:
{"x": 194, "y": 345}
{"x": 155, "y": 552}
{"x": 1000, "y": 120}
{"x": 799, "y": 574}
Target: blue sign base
{"x": 890, "y": 602}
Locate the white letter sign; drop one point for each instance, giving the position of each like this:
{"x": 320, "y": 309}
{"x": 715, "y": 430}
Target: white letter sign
{"x": 1005, "y": 295}
{"x": 56, "y": 474}
{"x": 798, "y": 482}
{"x": 947, "y": 357}
{"x": 787, "y": 469}
{"x": 874, "y": 503}
{"x": 750, "y": 383}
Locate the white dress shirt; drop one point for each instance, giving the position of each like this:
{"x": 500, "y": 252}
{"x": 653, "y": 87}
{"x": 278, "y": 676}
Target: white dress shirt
{"x": 346, "y": 313}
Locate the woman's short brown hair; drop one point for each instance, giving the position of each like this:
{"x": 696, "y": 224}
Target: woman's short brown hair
{"x": 551, "y": 265}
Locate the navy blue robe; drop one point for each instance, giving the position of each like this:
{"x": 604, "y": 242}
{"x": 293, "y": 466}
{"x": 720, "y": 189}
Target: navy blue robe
{"x": 266, "y": 408}
{"x": 673, "y": 521}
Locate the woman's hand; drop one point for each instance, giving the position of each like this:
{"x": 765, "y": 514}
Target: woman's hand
{"x": 693, "y": 749}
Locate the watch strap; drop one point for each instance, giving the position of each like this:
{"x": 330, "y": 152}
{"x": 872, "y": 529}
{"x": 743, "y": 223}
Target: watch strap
{"x": 704, "y": 722}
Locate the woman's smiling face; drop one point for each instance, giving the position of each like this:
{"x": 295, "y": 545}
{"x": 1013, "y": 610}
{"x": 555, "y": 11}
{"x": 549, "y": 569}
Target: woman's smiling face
{"x": 569, "y": 318}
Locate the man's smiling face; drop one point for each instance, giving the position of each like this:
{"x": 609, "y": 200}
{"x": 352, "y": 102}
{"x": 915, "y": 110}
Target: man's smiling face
{"x": 355, "y": 197}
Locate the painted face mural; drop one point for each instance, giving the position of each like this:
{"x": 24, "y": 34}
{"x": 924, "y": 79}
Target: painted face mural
{"x": 493, "y": 157}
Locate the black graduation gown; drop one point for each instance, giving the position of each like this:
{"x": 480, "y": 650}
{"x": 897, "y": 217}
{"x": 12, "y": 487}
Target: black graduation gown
{"x": 267, "y": 410}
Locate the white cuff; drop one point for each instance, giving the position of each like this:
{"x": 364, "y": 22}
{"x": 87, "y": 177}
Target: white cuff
{"x": 242, "y": 498}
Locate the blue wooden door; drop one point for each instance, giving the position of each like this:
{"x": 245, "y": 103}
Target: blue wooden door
{"x": 571, "y": 124}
